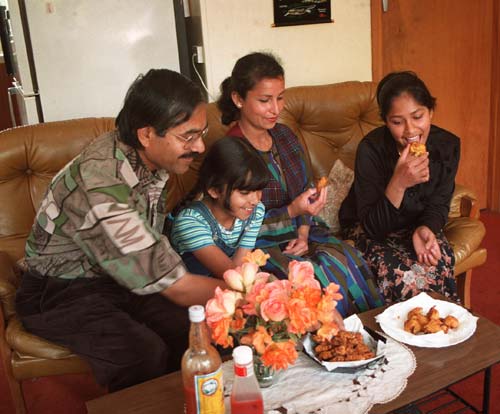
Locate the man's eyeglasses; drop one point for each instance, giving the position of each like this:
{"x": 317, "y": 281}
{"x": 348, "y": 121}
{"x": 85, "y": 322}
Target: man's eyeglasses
{"x": 192, "y": 138}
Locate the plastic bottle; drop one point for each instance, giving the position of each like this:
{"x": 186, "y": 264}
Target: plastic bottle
{"x": 201, "y": 369}
{"x": 246, "y": 397}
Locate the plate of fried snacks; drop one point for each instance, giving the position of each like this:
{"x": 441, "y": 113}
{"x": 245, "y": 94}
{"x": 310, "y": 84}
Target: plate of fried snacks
{"x": 427, "y": 322}
{"x": 351, "y": 349}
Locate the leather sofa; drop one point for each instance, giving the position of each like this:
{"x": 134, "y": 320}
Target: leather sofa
{"x": 329, "y": 120}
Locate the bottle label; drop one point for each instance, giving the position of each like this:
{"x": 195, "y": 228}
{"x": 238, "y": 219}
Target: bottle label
{"x": 209, "y": 389}
{"x": 243, "y": 370}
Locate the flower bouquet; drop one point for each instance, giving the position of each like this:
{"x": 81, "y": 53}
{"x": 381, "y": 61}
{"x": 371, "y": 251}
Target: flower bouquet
{"x": 271, "y": 315}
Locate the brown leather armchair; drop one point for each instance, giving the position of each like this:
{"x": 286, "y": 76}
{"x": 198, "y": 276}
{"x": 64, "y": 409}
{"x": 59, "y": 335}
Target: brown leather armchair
{"x": 29, "y": 157}
{"x": 329, "y": 120}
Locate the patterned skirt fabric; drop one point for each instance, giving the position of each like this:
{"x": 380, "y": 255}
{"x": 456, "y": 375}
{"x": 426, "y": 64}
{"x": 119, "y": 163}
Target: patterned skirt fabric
{"x": 399, "y": 275}
{"x": 334, "y": 261}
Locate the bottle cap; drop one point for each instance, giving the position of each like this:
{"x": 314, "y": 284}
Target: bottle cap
{"x": 196, "y": 313}
{"x": 243, "y": 355}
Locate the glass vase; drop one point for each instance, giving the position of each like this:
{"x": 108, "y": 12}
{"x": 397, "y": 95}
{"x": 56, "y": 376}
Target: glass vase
{"x": 266, "y": 376}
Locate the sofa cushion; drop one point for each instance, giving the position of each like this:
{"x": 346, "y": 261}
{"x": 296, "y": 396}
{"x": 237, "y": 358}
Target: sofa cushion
{"x": 339, "y": 183}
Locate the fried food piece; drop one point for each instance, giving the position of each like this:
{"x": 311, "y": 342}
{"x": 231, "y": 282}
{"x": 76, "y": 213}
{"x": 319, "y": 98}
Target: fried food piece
{"x": 417, "y": 149}
{"x": 345, "y": 346}
{"x": 433, "y": 326}
{"x": 451, "y": 322}
{"x": 433, "y": 313}
{"x": 412, "y": 325}
{"x": 415, "y": 312}
{"x": 429, "y": 323}
{"x": 321, "y": 183}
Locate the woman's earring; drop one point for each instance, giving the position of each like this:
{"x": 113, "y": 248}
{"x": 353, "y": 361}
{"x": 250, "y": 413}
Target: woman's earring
{"x": 238, "y": 105}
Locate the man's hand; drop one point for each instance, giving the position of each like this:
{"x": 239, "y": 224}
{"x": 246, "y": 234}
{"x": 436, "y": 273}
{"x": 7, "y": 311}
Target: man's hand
{"x": 309, "y": 202}
{"x": 426, "y": 246}
{"x": 193, "y": 289}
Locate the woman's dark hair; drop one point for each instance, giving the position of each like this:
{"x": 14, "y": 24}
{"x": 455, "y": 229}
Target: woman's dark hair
{"x": 397, "y": 83}
{"x": 247, "y": 72}
{"x": 231, "y": 164}
{"x": 161, "y": 99}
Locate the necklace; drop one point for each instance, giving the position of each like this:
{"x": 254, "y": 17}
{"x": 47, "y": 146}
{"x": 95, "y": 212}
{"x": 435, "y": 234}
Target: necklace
{"x": 263, "y": 142}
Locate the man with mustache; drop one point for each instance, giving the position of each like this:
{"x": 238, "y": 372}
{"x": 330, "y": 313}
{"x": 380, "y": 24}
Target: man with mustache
{"x": 102, "y": 280}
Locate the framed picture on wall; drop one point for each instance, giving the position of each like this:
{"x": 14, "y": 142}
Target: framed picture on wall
{"x": 293, "y": 12}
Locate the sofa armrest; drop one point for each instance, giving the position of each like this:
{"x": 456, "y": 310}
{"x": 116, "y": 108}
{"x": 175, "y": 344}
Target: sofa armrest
{"x": 8, "y": 282}
{"x": 464, "y": 203}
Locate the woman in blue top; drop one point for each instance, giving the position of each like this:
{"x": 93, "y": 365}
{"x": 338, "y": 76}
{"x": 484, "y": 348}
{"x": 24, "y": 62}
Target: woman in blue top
{"x": 222, "y": 215}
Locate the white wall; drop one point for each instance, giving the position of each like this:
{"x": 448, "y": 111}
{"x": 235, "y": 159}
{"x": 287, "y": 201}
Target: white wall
{"x": 311, "y": 54}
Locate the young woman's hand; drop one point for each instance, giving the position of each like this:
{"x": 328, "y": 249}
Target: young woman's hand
{"x": 426, "y": 246}
{"x": 411, "y": 170}
{"x": 300, "y": 245}
{"x": 309, "y": 202}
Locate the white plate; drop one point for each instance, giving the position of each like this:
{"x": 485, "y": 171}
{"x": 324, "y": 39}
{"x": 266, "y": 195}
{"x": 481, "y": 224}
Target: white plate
{"x": 352, "y": 324}
{"x": 393, "y": 318}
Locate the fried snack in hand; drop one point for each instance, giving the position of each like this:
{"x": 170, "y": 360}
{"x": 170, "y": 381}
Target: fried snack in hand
{"x": 417, "y": 149}
{"x": 321, "y": 183}
{"x": 416, "y": 322}
{"x": 345, "y": 346}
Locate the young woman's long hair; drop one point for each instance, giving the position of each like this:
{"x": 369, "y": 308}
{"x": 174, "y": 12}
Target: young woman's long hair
{"x": 247, "y": 72}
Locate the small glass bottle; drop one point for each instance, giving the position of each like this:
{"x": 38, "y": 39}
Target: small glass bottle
{"x": 201, "y": 369}
{"x": 246, "y": 397}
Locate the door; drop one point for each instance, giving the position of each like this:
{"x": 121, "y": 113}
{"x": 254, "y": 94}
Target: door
{"x": 449, "y": 44}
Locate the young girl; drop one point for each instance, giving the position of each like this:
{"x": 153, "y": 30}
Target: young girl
{"x": 214, "y": 233}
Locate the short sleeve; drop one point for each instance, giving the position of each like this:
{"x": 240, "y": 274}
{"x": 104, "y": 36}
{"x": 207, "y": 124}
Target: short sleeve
{"x": 191, "y": 232}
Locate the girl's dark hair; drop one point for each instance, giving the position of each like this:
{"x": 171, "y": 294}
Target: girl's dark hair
{"x": 231, "y": 164}
{"x": 395, "y": 84}
{"x": 247, "y": 72}
{"x": 161, "y": 99}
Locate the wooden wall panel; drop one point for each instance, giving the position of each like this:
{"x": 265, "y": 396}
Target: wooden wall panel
{"x": 494, "y": 149}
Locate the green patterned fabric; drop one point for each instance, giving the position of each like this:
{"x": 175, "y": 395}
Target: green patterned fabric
{"x": 102, "y": 216}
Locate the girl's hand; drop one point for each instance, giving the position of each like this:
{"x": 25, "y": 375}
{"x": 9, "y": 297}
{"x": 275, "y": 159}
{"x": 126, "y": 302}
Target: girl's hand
{"x": 426, "y": 246}
{"x": 411, "y": 170}
{"x": 309, "y": 202}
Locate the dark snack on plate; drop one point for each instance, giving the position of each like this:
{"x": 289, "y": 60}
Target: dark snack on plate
{"x": 419, "y": 323}
{"x": 345, "y": 346}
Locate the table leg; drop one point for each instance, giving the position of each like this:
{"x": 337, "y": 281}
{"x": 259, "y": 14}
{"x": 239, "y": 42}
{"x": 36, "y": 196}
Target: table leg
{"x": 486, "y": 390}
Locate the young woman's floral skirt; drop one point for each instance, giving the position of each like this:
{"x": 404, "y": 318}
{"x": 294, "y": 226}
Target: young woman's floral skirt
{"x": 399, "y": 275}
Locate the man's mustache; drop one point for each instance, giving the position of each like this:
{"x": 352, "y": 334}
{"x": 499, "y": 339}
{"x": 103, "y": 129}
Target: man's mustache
{"x": 192, "y": 154}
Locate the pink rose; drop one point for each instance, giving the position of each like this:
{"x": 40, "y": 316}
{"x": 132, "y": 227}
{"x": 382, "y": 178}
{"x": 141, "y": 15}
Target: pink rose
{"x": 234, "y": 279}
{"x": 274, "y": 307}
{"x": 302, "y": 274}
{"x": 244, "y": 277}
{"x": 222, "y": 305}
